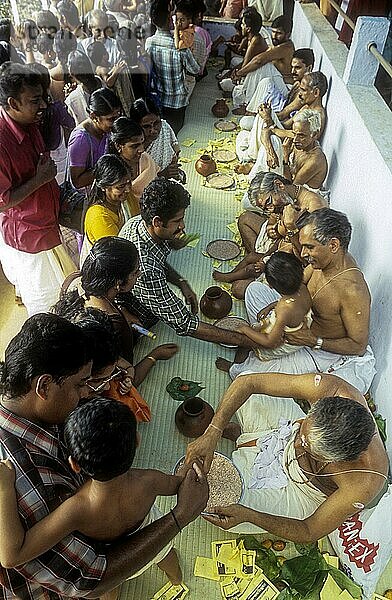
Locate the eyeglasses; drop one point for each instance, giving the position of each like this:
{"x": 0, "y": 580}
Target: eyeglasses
{"x": 98, "y": 388}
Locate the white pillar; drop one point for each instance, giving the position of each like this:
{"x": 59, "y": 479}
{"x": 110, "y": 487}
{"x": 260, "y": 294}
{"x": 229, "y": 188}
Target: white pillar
{"x": 362, "y": 66}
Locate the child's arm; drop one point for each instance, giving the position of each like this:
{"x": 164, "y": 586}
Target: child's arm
{"x": 111, "y": 77}
{"x": 177, "y": 35}
{"x": 163, "y": 484}
{"x": 18, "y": 546}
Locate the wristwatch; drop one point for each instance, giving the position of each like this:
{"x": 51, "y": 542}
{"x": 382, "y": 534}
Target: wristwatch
{"x": 319, "y": 343}
{"x": 291, "y": 233}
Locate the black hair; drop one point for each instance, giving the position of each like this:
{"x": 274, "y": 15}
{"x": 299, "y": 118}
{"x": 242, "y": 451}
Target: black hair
{"x": 318, "y": 80}
{"x": 64, "y": 43}
{"x": 101, "y": 437}
{"x": 46, "y": 345}
{"x": 96, "y": 51}
{"x": 14, "y": 78}
{"x": 186, "y": 8}
{"x": 101, "y": 337}
{"x": 44, "y": 43}
{"x": 68, "y": 10}
{"x": 306, "y": 55}
{"x": 126, "y": 39}
{"x": 327, "y": 224}
{"x": 5, "y": 52}
{"x": 44, "y": 74}
{"x": 109, "y": 170}
{"x": 142, "y": 107}
{"x": 123, "y": 131}
{"x": 283, "y": 22}
{"x": 159, "y": 13}
{"x": 163, "y": 198}
{"x": 284, "y": 273}
{"x": 81, "y": 70}
{"x": 5, "y": 30}
{"x": 254, "y": 21}
{"x": 103, "y": 102}
{"x": 110, "y": 260}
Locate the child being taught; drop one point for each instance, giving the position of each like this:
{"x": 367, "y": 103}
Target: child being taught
{"x": 184, "y": 30}
{"x": 99, "y": 58}
{"x": 115, "y": 499}
{"x": 289, "y": 313}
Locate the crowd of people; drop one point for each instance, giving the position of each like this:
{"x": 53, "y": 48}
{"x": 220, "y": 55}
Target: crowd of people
{"x": 92, "y": 204}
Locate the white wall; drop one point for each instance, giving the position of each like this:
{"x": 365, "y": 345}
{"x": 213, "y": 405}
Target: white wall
{"x": 358, "y": 145}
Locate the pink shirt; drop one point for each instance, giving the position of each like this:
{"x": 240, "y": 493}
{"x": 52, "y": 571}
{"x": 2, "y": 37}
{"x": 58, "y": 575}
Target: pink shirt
{"x": 32, "y": 225}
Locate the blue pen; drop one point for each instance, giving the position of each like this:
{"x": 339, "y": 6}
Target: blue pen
{"x": 143, "y": 331}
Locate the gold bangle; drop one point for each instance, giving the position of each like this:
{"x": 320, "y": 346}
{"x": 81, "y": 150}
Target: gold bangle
{"x": 154, "y": 360}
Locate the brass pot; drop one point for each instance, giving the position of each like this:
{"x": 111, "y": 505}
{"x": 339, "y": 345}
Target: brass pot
{"x": 205, "y": 165}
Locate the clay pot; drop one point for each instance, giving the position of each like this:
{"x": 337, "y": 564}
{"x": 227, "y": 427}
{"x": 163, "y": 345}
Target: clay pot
{"x": 193, "y": 417}
{"x": 215, "y": 303}
{"x": 205, "y": 165}
{"x": 220, "y": 108}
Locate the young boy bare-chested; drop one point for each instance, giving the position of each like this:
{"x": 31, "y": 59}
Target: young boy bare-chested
{"x": 101, "y": 438}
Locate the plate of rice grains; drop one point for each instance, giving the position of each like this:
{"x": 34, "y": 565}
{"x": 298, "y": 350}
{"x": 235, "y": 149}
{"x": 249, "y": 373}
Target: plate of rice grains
{"x": 231, "y": 323}
{"x": 224, "y": 480}
{"x": 225, "y": 125}
{"x": 220, "y": 181}
{"x": 223, "y": 249}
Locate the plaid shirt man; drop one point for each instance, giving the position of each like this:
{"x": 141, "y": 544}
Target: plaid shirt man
{"x": 151, "y": 289}
{"x": 171, "y": 66}
{"x": 43, "y": 480}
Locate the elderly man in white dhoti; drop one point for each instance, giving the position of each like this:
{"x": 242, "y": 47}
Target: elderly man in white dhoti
{"x": 304, "y": 475}
{"x": 337, "y": 340}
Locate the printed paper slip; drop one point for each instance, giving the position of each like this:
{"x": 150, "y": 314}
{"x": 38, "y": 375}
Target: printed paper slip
{"x": 206, "y": 567}
{"x": 258, "y": 588}
{"x": 226, "y": 548}
{"x": 171, "y": 592}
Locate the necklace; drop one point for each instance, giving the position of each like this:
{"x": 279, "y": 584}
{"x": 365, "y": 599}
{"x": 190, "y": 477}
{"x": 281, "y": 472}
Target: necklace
{"x": 332, "y": 278}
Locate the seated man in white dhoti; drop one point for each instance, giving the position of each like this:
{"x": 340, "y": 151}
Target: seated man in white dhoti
{"x": 337, "y": 341}
{"x": 273, "y": 63}
{"x": 279, "y": 204}
{"x": 304, "y": 475}
{"x": 267, "y": 92}
{"x": 260, "y": 149}
{"x": 300, "y": 158}
{"x": 251, "y": 24}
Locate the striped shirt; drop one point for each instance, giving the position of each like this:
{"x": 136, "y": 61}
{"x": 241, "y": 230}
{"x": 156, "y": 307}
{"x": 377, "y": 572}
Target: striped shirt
{"x": 171, "y": 66}
{"x": 151, "y": 288}
{"x": 73, "y": 567}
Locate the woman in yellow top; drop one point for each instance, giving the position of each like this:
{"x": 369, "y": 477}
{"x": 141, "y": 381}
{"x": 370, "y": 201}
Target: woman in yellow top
{"x": 111, "y": 189}
{"x": 127, "y": 141}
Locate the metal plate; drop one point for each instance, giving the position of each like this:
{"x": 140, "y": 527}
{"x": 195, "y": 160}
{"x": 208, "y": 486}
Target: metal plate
{"x": 225, "y": 125}
{"x": 220, "y": 181}
{"x": 223, "y": 249}
{"x": 225, "y": 156}
{"x": 225, "y": 482}
{"x": 230, "y": 323}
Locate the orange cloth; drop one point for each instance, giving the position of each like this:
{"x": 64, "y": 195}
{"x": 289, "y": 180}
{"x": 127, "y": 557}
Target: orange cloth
{"x": 133, "y": 399}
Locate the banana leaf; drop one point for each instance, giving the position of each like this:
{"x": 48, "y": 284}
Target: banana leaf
{"x": 183, "y": 389}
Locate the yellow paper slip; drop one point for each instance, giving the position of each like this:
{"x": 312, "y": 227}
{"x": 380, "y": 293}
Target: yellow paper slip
{"x": 188, "y": 142}
{"x": 330, "y": 590}
{"x": 206, "y": 567}
{"x": 345, "y": 595}
{"x": 331, "y": 560}
{"x": 171, "y": 592}
{"x": 223, "y": 547}
{"x": 229, "y": 589}
{"x": 257, "y": 588}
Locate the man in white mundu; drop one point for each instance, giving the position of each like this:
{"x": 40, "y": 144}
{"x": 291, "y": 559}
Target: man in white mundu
{"x": 337, "y": 340}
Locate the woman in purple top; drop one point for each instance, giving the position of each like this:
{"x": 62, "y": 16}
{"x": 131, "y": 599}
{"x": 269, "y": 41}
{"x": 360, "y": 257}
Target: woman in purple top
{"x": 89, "y": 141}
